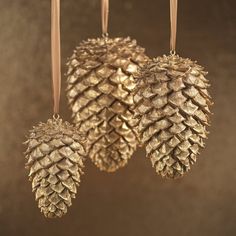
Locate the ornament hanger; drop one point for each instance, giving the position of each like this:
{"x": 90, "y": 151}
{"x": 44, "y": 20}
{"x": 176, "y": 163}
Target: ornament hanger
{"x": 56, "y": 55}
{"x": 173, "y": 23}
{"x": 105, "y": 17}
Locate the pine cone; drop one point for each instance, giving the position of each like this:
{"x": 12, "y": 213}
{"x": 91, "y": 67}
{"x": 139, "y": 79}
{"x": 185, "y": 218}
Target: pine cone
{"x": 101, "y": 80}
{"x": 173, "y": 104}
{"x": 55, "y": 158}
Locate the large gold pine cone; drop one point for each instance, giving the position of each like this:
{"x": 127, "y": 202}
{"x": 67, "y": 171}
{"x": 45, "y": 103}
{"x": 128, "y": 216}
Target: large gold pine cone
{"x": 172, "y": 103}
{"x": 101, "y": 81}
{"x": 55, "y": 156}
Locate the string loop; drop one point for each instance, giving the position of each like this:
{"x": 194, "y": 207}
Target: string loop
{"x": 173, "y": 23}
{"x": 172, "y": 53}
{"x": 56, "y": 117}
{"x": 105, "y": 17}
{"x": 56, "y": 53}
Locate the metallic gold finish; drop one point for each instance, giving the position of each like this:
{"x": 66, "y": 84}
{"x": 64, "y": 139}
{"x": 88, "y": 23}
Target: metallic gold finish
{"x": 55, "y": 156}
{"x": 172, "y": 103}
{"x": 101, "y": 81}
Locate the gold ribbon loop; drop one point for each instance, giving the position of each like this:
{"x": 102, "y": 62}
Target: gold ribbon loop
{"x": 173, "y": 23}
{"x": 105, "y": 16}
{"x": 56, "y": 54}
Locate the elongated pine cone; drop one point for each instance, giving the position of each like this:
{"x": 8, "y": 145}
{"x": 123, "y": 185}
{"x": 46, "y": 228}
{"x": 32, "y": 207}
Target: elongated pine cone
{"x": 101, "y": 80}
{"x": 173, "y": 104}
{"x": 55, "y": 156}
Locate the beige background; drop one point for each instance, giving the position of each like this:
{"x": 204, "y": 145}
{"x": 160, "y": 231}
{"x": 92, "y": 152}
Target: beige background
{"x": 134, "y": 201}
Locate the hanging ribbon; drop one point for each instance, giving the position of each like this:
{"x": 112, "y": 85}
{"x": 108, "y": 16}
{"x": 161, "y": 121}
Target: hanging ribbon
{"x": 173, "y": 23}
{"x": 56, "y": 54}
{"x": 105, "y": 16}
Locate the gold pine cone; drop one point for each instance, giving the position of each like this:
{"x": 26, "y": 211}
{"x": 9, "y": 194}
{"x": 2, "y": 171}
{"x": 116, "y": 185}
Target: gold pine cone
{"x": 172, "y": 103}
{"x": 55, "y": 156}
{"x": 101, "y": 80}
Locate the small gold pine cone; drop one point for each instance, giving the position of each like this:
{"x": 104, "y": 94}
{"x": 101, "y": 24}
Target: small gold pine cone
{"x": 55, "y": 156}
{"x": 172, "y": 103}
{"x": 101, "y": 80}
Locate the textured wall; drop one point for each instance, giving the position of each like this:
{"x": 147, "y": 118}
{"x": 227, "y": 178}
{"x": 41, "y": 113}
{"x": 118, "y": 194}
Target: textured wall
{"x": 134, "y": 201}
